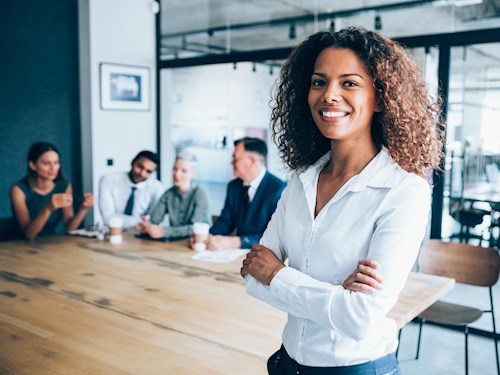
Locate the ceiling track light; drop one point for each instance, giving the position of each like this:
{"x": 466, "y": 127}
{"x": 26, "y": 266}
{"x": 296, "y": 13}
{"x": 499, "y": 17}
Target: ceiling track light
{"x": 378, "y": 22}
{"x": 456, "y": 3}
{"x": 254, "y": 67}
{"x": 292, "y": 34}
{"x": 332, "y": 25}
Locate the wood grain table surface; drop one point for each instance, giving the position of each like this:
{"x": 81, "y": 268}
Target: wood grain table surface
{"x": 72, "y": 305}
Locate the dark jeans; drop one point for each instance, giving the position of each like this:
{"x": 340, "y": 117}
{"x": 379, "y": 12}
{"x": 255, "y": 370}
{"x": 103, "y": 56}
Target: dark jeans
{"x": 280, "y": 363}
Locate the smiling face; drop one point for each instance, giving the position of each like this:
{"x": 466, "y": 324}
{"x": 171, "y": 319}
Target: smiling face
{"x": 342, "y": 97}
{"x": 47, "y": 166}
{"x": 142, "y": 169}
{"x": 183, "y": 173}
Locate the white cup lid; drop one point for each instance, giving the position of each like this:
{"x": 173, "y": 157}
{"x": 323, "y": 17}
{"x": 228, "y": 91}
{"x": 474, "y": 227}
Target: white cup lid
{"x": 201, "y": 228}
{"x": 115, "y": 222}
{"x": 200, "y": 246}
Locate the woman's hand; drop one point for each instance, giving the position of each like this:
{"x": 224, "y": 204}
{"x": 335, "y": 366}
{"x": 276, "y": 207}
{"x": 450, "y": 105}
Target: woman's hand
{"x": 60, "y": 200}
{"x": 262, "y": 264}
{"x": 154, "y": 231}
{"x": 365, "y": 278}
{"x": 88, "y": 200}
{"x": 142, "y": 224}
{"x": 218, "y": 242}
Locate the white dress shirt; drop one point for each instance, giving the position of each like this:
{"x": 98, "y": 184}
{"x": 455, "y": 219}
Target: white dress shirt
{"x": 379, "y": 214}
{"x": 254, "y": 184}
{"x": 114, "y": 191}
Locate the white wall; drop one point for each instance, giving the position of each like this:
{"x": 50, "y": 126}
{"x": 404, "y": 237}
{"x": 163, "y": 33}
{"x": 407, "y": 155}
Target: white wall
{"x": 120, "y": 32}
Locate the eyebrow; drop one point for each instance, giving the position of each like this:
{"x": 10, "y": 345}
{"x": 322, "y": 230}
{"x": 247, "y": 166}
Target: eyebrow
{"x": 323, "y": 75}
{"x": 140, "y": 165}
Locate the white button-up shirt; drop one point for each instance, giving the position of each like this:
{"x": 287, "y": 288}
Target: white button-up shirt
{"x": 254, "y": 185}
{"x": 114, "y": 191}
{"x": 379, "y": 214}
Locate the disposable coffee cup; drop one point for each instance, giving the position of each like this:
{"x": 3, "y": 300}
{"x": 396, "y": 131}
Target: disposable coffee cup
{"x": 200, "y": 231}
{"x": 115, "y": 230}
{"x": 200, "y": 246}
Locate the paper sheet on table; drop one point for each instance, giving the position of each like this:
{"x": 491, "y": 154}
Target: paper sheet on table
{"x": 84, "y": 233}
{"x": 219, "y": 256}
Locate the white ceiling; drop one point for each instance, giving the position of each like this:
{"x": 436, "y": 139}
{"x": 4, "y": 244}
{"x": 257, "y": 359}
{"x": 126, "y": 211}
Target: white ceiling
{"x": 195, "y": 28}
{"x": 200, "y": 27}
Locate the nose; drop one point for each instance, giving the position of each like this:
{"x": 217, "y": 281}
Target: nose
{"x": 332, "y": 94}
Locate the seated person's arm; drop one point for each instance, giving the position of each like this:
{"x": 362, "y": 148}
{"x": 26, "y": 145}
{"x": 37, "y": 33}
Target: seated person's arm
{"x": 151, "y": 225}
{"x": 106, "y": 201}
{"x": 225, "y": 223}
{"x": 72, "y": 221}
{"x": 219, "y": 242}
{"x": 32, "y": 227}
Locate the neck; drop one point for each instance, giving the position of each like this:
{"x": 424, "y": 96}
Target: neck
{"x": 183, "y": 189}
{"x": 252, "y": 176}
{"x": 350, "y": 159}
{"x": 42, "y": 184}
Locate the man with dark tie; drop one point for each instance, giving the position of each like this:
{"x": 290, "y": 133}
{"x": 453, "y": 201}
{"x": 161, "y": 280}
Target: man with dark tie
{"x": 250, "y": 200}
{"x": 132, "y": 194}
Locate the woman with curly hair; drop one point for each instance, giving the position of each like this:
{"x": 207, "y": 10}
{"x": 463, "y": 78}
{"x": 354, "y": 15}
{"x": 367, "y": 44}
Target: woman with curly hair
{"x": 355, "y": 123}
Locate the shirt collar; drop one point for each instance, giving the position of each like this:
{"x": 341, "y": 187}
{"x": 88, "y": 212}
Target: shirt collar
{"x": 141, "y": 184}
{"x": 376, "y": 174}
{"x": 254, "y": 184}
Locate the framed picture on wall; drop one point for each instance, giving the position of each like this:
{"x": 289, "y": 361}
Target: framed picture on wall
{"x": 124, "y": 87}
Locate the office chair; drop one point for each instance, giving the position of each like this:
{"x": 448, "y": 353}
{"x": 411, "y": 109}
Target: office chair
{"x": 8, "y": 229}
{"x": 467, "y": 264}
{"x": 495, "y": 224}
{"x": 467, "y": 218}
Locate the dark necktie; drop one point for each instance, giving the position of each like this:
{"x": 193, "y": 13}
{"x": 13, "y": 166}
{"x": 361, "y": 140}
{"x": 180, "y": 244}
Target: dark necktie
{"x": 130, "y": 202}
{"x": 245, "y": 199}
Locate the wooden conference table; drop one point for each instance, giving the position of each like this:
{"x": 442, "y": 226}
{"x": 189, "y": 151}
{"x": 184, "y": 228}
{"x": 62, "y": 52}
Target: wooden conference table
{"x": 71, "y": 305}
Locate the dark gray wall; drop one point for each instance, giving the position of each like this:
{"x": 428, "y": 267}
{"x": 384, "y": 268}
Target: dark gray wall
{"x": 39, "y": 91}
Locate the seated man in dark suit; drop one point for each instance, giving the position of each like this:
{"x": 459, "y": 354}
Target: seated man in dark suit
{"x": 250, "y": 201}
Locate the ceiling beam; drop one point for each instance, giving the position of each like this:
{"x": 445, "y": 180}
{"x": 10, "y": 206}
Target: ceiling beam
{"x": 451, "y": 39}
{"x": 304, "y": 18}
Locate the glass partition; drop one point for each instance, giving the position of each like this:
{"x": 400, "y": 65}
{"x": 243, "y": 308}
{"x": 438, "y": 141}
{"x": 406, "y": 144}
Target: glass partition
{"x": 472, "y": 181}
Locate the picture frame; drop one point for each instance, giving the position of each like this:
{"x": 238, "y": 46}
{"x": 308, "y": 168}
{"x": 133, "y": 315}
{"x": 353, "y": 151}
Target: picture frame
{"x": 124, "y": 87}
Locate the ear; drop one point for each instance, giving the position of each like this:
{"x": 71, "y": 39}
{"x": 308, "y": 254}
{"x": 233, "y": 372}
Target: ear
{"x": 32, "y": 166}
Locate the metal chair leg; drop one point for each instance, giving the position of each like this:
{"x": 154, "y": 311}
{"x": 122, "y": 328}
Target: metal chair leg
{"x": 495, "y": 342}
{"x": 420, "y": 324}
{"x": 399, "y": 341}
{"x": 466, "y": 332}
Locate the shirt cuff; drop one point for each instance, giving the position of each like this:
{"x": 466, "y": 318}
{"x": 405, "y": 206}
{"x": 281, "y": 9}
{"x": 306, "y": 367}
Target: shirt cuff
{"x": 282, "y": 281}
{"x": 245, "y": 242}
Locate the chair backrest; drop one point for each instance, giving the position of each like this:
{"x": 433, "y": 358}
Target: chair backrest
{"x": 7, "y": 229}
{"x": 465, "y": 263}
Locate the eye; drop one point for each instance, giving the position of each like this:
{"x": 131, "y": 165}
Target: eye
{"x": 318, "y": 82}
{"x": 350, "y": 84}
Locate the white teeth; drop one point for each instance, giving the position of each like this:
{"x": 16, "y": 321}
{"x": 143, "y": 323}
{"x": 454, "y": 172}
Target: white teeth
{"x": 334, "y": 114}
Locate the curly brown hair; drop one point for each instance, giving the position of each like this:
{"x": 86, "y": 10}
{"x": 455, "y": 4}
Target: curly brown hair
{"x": 409, "y": 123}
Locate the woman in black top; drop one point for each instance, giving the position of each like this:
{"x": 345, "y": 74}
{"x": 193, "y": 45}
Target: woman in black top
{"x": 43, "y": 200}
